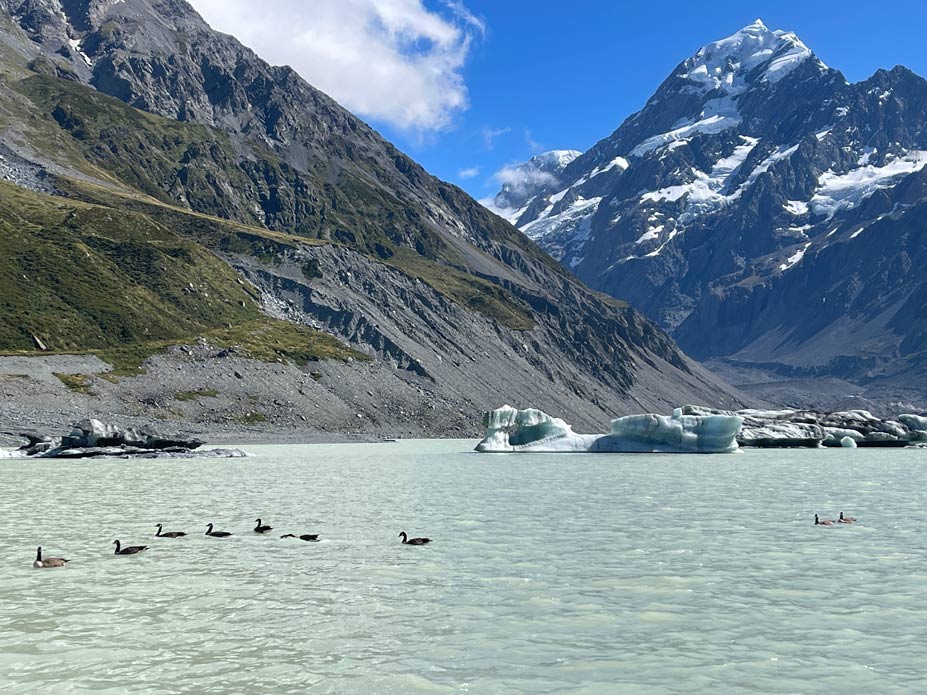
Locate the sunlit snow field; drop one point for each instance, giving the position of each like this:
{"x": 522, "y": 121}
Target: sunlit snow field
{"x": 571, "y": 573}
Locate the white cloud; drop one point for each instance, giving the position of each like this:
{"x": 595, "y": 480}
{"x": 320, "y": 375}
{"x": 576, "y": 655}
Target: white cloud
{"x": 533, "y": 144}
{"x": 522, "y": 180}
{"x": 491, "y": 134}
{"x": 469, "y": 173}
{"x": 394, "y": 60}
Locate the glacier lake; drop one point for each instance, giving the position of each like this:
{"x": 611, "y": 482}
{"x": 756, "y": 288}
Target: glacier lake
{"x": 549, "y": 573}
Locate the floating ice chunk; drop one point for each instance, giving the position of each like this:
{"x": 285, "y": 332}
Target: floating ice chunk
{"x": 917, "y": 423}
{"x": 848, "y": 443}
{"x": 676, "y": 433}
{"x": 531, "y": 430}
{"x": 509, "y": 429}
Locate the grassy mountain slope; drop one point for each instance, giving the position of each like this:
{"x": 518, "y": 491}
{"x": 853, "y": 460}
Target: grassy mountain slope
{"x": 88, "y": 278}
{"x": 183, "y": 163}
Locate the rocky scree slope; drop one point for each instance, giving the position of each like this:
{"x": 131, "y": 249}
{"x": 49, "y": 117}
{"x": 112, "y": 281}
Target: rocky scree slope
{"x": 765, "y": 212}
{"x": 138, "y": 109}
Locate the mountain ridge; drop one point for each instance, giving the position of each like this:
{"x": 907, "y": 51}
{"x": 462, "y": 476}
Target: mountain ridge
{"x": 759, "y": 188}
{"x": 138, "y": 106}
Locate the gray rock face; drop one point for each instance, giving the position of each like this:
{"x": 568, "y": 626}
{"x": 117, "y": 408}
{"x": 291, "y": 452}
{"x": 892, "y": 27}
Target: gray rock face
{"x": 762, "y": 210}
{"x": 288, "y": 158}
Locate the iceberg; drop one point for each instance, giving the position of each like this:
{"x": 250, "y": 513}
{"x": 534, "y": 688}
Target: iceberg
{"x": 810, "y": 428}
{"x": 94, "y": 439}
{"x": 511, "y": 430}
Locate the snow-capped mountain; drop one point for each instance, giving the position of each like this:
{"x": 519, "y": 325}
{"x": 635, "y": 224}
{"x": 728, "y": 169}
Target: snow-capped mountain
{"x": 761, "y": 208}
{"x": 522, "y": 184}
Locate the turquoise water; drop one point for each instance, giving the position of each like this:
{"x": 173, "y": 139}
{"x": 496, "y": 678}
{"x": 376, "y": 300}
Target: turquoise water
{"x": 548, "y": 573}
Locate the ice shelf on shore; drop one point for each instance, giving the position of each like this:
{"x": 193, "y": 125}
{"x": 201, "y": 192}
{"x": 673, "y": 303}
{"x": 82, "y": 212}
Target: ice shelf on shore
{"x": 810, "y": 428}
{"x": 94, "y": 439}
{"x": 531, "y": 430}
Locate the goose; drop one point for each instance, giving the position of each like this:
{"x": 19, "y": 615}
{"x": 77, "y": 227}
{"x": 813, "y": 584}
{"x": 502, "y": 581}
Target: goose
{"x": 413, "y": 541}
{"x": 826, "y": 522}
{"x": 169, "y": 534}
{"x": 129, "y": 549}
{"x": 261, "y": 529}
{"x": 312, "y": 537}
{"x": 216, "y": 534}
{"x": 48, "y": 562}
{"x": 846, "y": 519}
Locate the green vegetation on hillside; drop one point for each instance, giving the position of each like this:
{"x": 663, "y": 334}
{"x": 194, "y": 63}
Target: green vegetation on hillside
{"x": 78, "y": 383}
{"x": 89, "y": 279}
{"x": 177, "y": 163}
{"x": 85, "y": 276}
{"x": 156, "y": 156}
{"x": 195, "y": 394}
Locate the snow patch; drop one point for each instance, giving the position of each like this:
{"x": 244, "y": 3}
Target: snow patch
{"x": 781, "y": 152}
{"x": 838, "y": 192}
{"x": 651, "y": 234}
{"x": 795, "y": 258}
{"x": 618, "y": 162}
{"x": 717, "y": 116}
{"x": 577, "y": 216}
{"x": 708, "y": 190}
{"x": 75, "y": 45}
{"x": 796, "y": 207}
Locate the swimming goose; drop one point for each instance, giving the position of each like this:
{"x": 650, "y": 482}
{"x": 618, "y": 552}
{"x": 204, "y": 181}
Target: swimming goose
{"x": 826, "y": 522}
{"x": 169, "y": 534}
{"x": 413, "y": 541}
{"x": 846, "y": 519}
{"x": 216, "y": 534}
{"x": 313, "y": 537}
{"x": 48, "y": 562}
{"x": 261, "y": 529}
{"x": 129, "y": 549}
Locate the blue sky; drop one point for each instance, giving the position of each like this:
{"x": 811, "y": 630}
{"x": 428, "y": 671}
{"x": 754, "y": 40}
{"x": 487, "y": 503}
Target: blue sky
{"x": 480, "y": 84}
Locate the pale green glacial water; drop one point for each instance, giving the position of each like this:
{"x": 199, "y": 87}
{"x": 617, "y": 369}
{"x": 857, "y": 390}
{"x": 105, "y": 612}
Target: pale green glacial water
{"x": 548, "y": 574}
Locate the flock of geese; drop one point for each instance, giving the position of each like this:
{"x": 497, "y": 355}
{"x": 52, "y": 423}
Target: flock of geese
{"x": 830, "y": 522}
{"x": 260, "y": 528}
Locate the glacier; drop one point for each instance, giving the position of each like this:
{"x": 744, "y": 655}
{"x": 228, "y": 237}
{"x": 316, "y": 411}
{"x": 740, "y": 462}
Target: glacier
{"x": 530, "y": 430}
{"x": 838, "y": 192}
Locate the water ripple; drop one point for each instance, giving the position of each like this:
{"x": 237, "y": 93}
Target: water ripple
{"x": 548, "y": 574}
